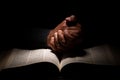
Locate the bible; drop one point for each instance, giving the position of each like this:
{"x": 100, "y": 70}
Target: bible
{"x": 20, "y": 57}
{"x": 43, "y": 63}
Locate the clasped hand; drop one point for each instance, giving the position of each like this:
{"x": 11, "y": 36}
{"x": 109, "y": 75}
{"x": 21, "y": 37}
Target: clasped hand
{"x": 65, "y": 37}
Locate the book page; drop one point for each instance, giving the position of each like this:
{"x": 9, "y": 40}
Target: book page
{"x": 20, "y": 57}
{"x": 77, "y": 59}
{"x": 100, "y": 55}
{"x": 42, "y": 55}
{"x": 4, "y": 55}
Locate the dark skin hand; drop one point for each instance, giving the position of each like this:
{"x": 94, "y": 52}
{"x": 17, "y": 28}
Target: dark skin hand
{"x": 65, "y": 37}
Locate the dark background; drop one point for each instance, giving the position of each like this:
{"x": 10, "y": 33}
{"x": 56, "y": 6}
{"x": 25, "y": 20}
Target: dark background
{"x": 21, "y": 24}
{"x": 73, "y": 71}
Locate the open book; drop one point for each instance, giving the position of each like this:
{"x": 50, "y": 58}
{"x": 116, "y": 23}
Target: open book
{"x": 95, "y": 55}
{"x": 19, "y": 57}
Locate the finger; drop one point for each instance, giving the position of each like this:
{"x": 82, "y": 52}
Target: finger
{"x": 51, "y": 33}
{"x": 71, "y": 18}
{"x": 74, "y": 29}
{"x": 67, "y": 35}
{"x": 52, "y": 44}
{"x": 59, "y": 41}
{"x": 61, "y": 38}
{"x": 56, "y": 41}
{"x": 71, "y": 21}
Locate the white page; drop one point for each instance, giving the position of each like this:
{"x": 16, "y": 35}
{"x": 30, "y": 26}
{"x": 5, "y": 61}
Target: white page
{"x": 20, "y": 57}
{"x": 42, "y": 55}
{"x": 101, "y": 55}
{"x": 78, "y": 59}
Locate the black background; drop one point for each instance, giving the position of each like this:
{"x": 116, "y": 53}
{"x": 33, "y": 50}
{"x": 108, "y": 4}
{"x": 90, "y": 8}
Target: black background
{"x": 73, "y": 71}
{"x": 21, "y": 21}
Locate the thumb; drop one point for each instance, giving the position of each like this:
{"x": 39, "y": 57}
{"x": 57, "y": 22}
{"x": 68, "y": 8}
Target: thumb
{"x": 71, "y": 20}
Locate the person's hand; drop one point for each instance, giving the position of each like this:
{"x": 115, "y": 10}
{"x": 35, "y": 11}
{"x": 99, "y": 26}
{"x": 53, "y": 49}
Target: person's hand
{"x": 66, "y": 35}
